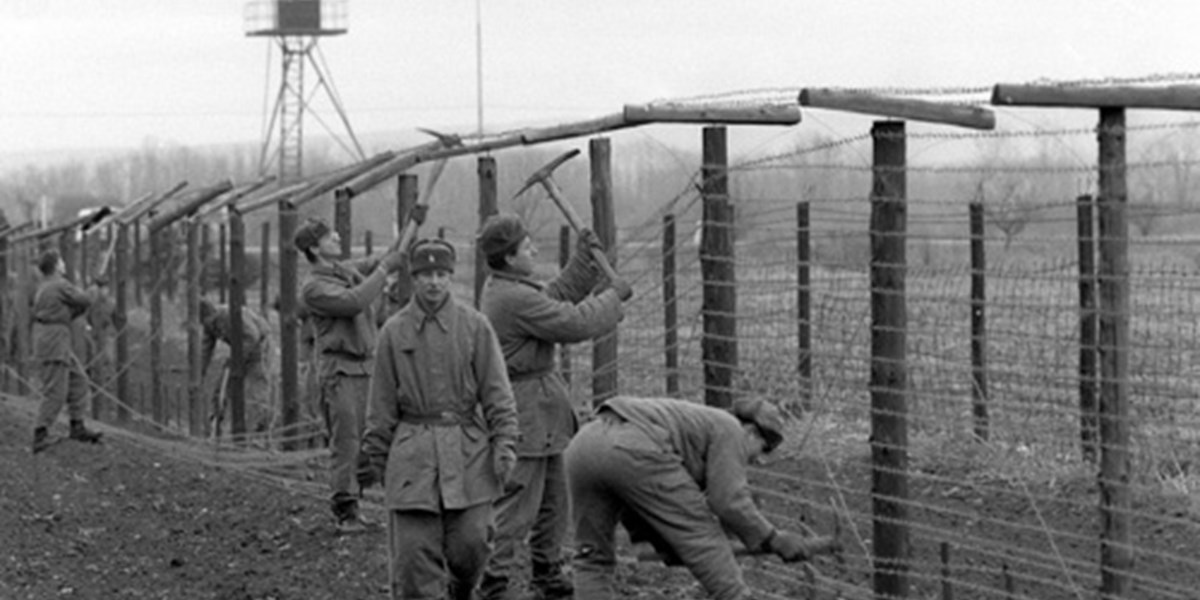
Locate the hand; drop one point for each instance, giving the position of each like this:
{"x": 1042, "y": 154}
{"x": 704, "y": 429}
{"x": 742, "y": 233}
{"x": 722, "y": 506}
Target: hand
{"x": 587, "y": 241}
{"x": 793, "y": 547}
{"x": 394, "y": 261}
{"x": 504, "y": 460}
{"x": 370, "y": 470}
{"x": 623, "y": 289}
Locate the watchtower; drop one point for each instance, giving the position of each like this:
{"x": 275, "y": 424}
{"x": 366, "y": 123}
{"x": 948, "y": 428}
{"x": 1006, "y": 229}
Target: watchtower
{"x": 296, "y": 26}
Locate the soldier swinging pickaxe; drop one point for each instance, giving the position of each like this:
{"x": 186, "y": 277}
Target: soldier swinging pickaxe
{"x": 542, "y": 176}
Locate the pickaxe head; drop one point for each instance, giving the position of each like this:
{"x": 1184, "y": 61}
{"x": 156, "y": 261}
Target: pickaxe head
{"x": 448, "y": 140}
{"x": 545, "y": 172}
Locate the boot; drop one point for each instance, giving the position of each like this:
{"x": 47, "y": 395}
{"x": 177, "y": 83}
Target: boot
{"x": 41, "y": 439}
{"x": 549, "y": 582}
{"x": 80, "y": 433}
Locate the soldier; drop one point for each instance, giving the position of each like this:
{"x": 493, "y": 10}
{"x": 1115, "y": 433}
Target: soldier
{"x": 674, "y": 473}
{"x": 256, "y": 356}
{"x": 56, "y": 305}
{"x": 442, "y": 427}
{"x": 337, "y": 296}
{"x": 530, "y": 319}
{"x": 104, "y": 322}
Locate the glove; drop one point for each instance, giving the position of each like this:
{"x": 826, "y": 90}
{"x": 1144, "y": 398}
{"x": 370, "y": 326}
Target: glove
{"x": 370, "y": 469}
{"x": 623, "y": 289}
{"x": 504, "y": 459}
{"x": 588, "y": 240}
{"x": 791, "y": 547}
{"x": 394, "y": 261}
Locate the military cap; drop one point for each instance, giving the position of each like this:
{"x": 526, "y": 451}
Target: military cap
{"x": 501, "y": 234}
{"x": 310, "y": 233}
{"x": 429, "y": 254}
{"x": 764, "y": 416}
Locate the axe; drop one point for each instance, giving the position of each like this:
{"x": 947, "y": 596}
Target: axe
{"x": 542, "y": 176}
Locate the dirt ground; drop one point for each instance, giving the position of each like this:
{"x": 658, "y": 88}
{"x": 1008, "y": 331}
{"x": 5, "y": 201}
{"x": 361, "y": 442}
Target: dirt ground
{"x": 122, "y": 520}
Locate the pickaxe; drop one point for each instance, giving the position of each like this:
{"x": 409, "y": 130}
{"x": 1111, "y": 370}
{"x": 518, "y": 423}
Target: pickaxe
{"x": 448, "y": 141}
{"x": 542, "y": 176}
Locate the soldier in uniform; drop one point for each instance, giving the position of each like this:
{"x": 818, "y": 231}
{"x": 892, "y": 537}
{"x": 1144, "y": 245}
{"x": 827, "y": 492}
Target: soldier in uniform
{"x": 257, "y": 351}
{"x": 674, "y": 474}
{"x": 441, "y": 431}
{"x": 56, "y": 305}
{"x": 337, "y": 296}
{"x": 530, "y": 319}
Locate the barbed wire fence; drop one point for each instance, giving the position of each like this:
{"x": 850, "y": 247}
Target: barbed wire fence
{"x": 1002, "y": 347}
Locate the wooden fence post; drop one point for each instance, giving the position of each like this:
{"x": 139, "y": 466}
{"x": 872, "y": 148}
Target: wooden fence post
{"x": 157, "y": 391}
{"x": 889, "y": 375}
{"x": 1089, "y": 425}
{"x": 670, "y": 306}
{"x": 719, "y": 347}
{"x": 407, "y": 189}
{"x": 289, "y": 390}
{"x": 121, "y": 291}
{"x": 5, "y": 296}
{"x": 264, "y": 275}
{"x": 205, "y": 253}
{"x": 488, "y": 206}
{"x": 135, "y": 266}
{"x": 368, "y": 243}
{"x": 237, "y": 338}
{"x": 979, "y": 389}
{"x": 604, "y": 223}
{"x": 1116, "y": 551}
{"x": 804, "y": 305}
{"x": 223, "y": 263}
{"x": 192, "y": 290}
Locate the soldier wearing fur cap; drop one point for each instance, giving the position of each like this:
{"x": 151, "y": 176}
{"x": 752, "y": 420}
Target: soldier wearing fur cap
{"x": 337, "y": 296}
{"x": 531, "y": 318}
{"x": 441, "y": 432}
{"x": 620, "y": 464}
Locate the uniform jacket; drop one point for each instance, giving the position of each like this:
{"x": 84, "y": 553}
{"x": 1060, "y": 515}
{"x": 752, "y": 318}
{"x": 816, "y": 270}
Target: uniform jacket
{"x": 338, "y": 299}
{"x": 256, "y": 333}
{"x": 530, "y": 318}
{"x": 445, "y": 367}
{"x": 711, "y": 446}
{"x": 56, "y": 305}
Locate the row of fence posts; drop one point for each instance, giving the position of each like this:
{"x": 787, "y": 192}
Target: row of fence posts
{"x": 1101, "y": 328}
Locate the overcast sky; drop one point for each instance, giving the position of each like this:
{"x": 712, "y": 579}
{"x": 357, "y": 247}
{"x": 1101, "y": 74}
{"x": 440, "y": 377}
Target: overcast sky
{"x": 112, "y": 73}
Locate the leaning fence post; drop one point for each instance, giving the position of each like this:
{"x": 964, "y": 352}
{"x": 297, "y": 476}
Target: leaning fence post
{"x": 670, "y": 306}
{"x": 1088, "y": 325}
{"x": 889, "y": 375}
{"x": 604, "y": 223}
{"x": 719, "y": 348}
{"x": 979, "y": 391}
{"x": 804, "y": 305}
{"x": 1116, "y": 551}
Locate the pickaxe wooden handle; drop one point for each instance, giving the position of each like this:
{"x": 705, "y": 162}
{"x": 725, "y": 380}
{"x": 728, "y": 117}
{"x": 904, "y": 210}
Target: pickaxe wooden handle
{"x": 818, "y": 547}
{"x": 542, "y": 176}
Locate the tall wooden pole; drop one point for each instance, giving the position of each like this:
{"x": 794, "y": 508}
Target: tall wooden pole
{"x": 889, "y": 375}
{"x": 120, "y": 286}
{"x": 341, "y": 221}
{"x": 1116, "y": 550}
{"x": 264, "y": 275}
{"x": 194, "y": 341}
{"x": 604, "y": 223}
{"x": 157, "y": 391}
{"x": 719, "y": 348}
